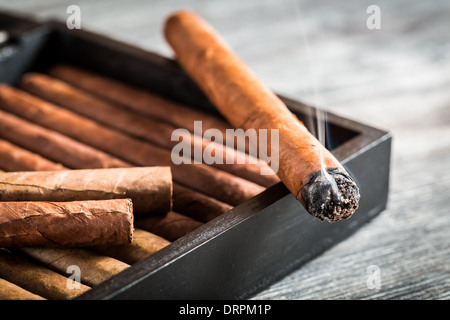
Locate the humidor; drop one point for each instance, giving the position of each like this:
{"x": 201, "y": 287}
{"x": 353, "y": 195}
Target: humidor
{"x": 243, "y": 251}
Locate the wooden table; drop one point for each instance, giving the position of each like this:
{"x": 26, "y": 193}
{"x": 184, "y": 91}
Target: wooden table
{"x": 322, "y": 52}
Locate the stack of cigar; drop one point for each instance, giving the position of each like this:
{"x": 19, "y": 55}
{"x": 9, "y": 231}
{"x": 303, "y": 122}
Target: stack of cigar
{"x": 87, "y": 178}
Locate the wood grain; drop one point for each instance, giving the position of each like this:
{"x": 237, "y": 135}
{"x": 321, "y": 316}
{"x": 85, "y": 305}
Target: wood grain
{"x": 321, "y": 52}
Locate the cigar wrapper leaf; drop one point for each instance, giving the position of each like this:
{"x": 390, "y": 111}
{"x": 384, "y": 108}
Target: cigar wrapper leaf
{"x": 149, "y": 188}
{"x": 65, "y": 224}
{"x": 309, "y": 171}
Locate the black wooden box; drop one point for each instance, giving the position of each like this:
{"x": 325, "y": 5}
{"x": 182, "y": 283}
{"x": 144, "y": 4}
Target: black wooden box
{"x": 245, "y": 250}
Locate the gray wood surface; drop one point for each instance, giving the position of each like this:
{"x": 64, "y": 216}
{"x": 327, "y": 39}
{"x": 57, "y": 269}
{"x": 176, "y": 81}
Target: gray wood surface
{"x": 396, "y": 78}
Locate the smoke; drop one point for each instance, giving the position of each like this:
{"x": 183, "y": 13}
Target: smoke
{"x": 320, "y": 125}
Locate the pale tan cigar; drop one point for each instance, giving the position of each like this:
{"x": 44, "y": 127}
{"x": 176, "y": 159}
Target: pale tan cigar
{"x": 93, "y": 268}
{"x": 11, "y": 291}
{"x": 38, "y": 279}
{"x": 154, "y": 131}
{"x": 53, "y": 145}
{"x": 307, "y": 168}
{"x": 144, "y": 244}
{"x": 213, "y": 182}
{"x": 171, "y": 227}
{"x": 65, "y": 224}
{"x": 138, "y": 100}
{"x": 14, "y": 158}
{"x": 149, "y": 188}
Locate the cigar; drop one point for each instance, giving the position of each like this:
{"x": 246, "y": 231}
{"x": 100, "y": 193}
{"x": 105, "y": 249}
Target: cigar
{"x": 308, "y": 169}
{"x": 144, "y": 244}
{"x": 11, "y": 291}
{"x": 185, "y": 201}
{"x": 196, "y": 205}
{"x": 215, "y": 183}
{"x": 149, "y": 188}
{"x": 53, "y": 145}
{"x": 138, "y": 100}
{"x": 65, "y": 224}
{"x": 94, "y": 268}
{"x": 152, "y": 130}
{"x": 36, "y": 278}
{"x": 13, "y": 158}
{"x": 172, "y": 227}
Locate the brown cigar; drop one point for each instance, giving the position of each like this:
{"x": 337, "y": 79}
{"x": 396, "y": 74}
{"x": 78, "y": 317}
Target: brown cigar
{"x": 172, "y": 227}
{"x": 215, "y": 183}
{"x": 66, "y": 224}
{"x": 26, "y": 161}
{"x": 154, "y": 131}
{"x": 144, "y": 244}
{"x": 36, "y": 278}
{"x": 150, "y": 188}
{"x": 186, "y": 201}
{"x": 196, "y": 205}
{"x": 53, "y": 145}
{"x": 138, "y": 100}
{"x": 11, "y": 291}
{"x": 94, "y": 268}
{"x": 13, "y": 158}
{"x": 329, "y": 194}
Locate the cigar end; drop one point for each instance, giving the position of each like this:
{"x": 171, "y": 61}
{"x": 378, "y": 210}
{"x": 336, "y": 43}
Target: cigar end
{"x": 331, "y": 195}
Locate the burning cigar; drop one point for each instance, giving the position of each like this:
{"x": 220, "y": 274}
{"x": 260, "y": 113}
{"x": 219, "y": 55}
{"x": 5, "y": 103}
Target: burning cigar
{"x": 11, "y": 291}
{"x": 138, "y": 100}
{"x": 149, "y": 188}
{"x": 53, "y": 145}
{"x": 307, "y": 169}
{"x": 94, "y": 268}
{"x": 36, "y": 278}
{"x": 172, "y": 227}
{"x": 215, "y": 183}
{"x": 144, "y": 244}
{"x": 13, "y": 158}
{"x": 153, "y": 130}
{"x": 65, "y": 224}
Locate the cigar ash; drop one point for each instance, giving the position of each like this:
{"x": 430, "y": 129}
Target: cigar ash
{"x": 331, "y": 196}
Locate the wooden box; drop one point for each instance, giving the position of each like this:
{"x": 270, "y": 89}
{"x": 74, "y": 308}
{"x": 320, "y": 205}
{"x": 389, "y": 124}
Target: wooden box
{"x": 255, "y": 244}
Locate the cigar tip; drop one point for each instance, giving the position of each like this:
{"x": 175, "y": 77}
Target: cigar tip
{"x": 331, "y": 195}
{"x": 180, "y": 17}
